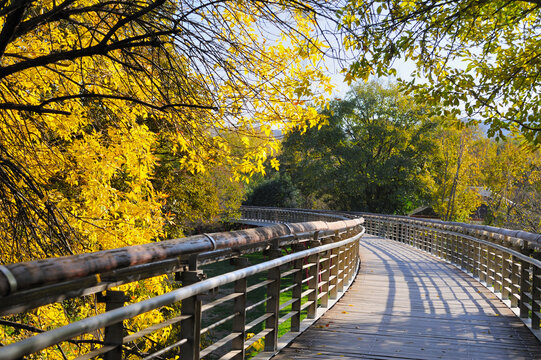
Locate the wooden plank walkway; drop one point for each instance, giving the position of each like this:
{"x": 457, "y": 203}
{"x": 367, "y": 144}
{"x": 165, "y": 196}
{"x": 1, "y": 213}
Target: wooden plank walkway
{"x": 406, "y": 304}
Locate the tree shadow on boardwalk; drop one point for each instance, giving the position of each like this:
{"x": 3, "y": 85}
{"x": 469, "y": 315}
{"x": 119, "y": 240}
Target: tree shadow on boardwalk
{"x": 406, "y": 304}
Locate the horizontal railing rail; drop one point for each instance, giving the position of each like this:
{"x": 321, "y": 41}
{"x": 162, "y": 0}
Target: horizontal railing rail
{"x": 288, "y": 215}
{"x": 508, "y": 262}
{"x": 298, "y": 270}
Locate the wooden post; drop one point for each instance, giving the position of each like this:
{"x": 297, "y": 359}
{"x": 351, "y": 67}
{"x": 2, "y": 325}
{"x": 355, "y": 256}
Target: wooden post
{"x": 297, "y": 292}
{"x": 524, "y": 278}
{"x": 474, "y": 257}
{"x": 507, "y": 268}
{"x": 239, "y": 307}
{"x": 273, "y": 304}
{"x": 313, "y": 283}
{"x": 536, "y": 294}
{"x": 536, "y": 297}
{"x": 190, "y": 328}
{"x": 113, "y": 333}
{"x": 325, "y": 275}
{"x": 515, "y": 281}
{"x": 335, "y": 268}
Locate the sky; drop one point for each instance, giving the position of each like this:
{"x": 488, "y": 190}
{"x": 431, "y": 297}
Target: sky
{"x": 403, "y": 70}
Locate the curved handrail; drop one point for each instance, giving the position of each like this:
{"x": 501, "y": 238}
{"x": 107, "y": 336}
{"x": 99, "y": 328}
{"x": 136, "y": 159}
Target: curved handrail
{"x": 322, "y": 263}
{"x": 507, "y": 262}
{"x": 517, "y": 238}
{"x": 32, "y": 274}
{"x": 72, "y": 330}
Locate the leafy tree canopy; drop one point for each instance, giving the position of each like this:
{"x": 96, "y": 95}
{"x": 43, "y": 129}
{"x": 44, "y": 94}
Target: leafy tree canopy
{"x": 480, "y": 58}
{"x": 90, "y": 89}
{"x": 276, "y": 191}
{"x": 371, "y": 156}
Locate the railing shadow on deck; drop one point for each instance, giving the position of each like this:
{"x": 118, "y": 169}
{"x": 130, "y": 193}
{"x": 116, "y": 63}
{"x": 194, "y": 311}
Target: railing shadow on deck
{"x": 401, "y": 307}
{"x": 504, "y": 261}
{"x": 309, "y": 259}
{"x": 313, "y": 260}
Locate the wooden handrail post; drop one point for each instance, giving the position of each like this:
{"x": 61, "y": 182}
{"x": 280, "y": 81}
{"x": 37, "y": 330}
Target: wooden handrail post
{"x": 296, "y": 292}
{"x": 476, "y": 260}
{"x": 536, "y": 294}
{"x": 536, "y": 297}
{"x": 190, "y": 328}
{"x": 113, "y": 333}
{"x": 335, "y": 254}
{"x": 515, "y": 281}
{"x": 239, "y": 307}
{"x": 273, "y": 303}
{"x": 326, "y": 274}
{"x": 313, "y": 283}
{"x": 507, "y": 268}
{"x": 524, "y": 278}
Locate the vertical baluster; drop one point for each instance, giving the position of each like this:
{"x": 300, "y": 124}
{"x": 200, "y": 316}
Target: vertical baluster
{"x": 469, "y": 251}
{"x": 536, "y": 297}
{"x": 515, "y": 281}
{"x": 239, "y": 307}
{"x": 461, "y": 248}
{"x": 313, "y": 273}
{"x": 445, "y": 244}
{"x": 113, "y": 333}
{"x": 190, "y": 328}
{"x": 273, "y": 303}
{"x": 352, "y": 259}
{"x": 334, "y": 268}
{"x": 341, "y": 267}
{"x": 483, "y": 263}
{"x": 506, "y": 275}
{"x": 524, "y": 289}
{"x": 499, "y": 270}
{"x": 326, "y": 274}
{"x": 297, "y": 291}
{"x": 432, "y": 234}
{"x": 476, "y": 259}
{"x": 491, "y": 272}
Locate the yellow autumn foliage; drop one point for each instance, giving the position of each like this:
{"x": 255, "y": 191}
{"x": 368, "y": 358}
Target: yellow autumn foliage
{"x": 88, "y": 91}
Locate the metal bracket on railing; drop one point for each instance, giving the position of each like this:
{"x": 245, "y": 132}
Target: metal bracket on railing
{"x": 291, "y": 231}
{"x": 190, "y": 277}
{"x": 315, "y": 241}
{"x": 212, "y": 241}
{"x": 10, "y": 277}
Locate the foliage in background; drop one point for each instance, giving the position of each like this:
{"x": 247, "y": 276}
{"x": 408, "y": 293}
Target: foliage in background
{"x": 480, "y": 59}
{"x": 126, "y": 122}
{"x": 277, "y": 190}
{"x": 371, "y": 156}
{"x": 513, "y": 177}
{"x": 380, "y": 152}
{"x": 89, "y": 89}
{"x": 458, "y": 166}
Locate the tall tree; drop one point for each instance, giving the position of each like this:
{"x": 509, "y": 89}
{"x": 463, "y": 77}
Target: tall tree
{"x": 479, "y": 58}
{"x": 513, "y": 177}
{"x": 457, "y": 168}
{"x": 371, "y": 156}
{"x": 88, "y": 88}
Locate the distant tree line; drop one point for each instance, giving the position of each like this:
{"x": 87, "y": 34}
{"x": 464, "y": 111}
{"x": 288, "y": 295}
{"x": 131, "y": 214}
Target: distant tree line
{"x": 381, "y": 151}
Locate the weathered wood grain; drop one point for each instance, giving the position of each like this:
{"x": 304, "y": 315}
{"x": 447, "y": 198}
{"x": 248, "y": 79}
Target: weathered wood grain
{"x": 406, "y": 304}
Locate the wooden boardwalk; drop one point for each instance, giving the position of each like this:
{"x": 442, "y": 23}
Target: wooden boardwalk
{"x": 406, "y": 304}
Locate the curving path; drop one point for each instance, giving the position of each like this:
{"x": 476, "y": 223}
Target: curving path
{"x": 406, "y": 304}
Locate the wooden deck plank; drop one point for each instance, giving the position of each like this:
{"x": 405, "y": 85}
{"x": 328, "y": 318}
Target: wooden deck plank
{"x": 406, "y": 304}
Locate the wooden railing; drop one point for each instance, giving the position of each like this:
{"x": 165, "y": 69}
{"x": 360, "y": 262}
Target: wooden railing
{"x": 282, "y": 278}
{"x": 505, "y": 261}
